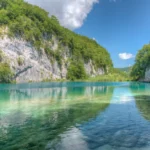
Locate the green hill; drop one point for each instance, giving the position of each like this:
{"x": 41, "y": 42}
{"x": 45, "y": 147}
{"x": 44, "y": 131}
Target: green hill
{"x": 75, "y": 57}
{"x": 34, "y": 25}
{"x": 125, "y": 69}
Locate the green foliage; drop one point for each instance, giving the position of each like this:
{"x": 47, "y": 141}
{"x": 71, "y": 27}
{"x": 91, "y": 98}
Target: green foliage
{"x": 126, "y": 69}
{"x": 109, "y": 78}
{"x": 35, "y": 26}
{"x": 120, "y": 72}
{"x": 143, "y": 105}
{"x": 54, "y": 54}
{"x": 141, "y": 63}
{"x": 20, "y": 61}
{"x": 76, "y": 71}
{"x": 113, "y": 75}
{"x": 5, "y": 73}
{"x": 3, "y": 17}
{"x": 1, "y": 55}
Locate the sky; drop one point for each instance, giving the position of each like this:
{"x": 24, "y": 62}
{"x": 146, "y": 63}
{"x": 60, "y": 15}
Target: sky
{"x": 120, "y": 26}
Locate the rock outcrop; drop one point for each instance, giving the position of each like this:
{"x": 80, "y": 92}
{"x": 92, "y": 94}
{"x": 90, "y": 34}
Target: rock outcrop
{"x": 147, "y": 75}
{"x": 31, "y": 65}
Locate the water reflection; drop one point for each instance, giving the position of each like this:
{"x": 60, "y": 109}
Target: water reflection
{"x": 119, "y": 127}
{"x": 141, "y": 93}
{"x": 143, "y": 104}
{"x": 74, "y": 116}
{"x": 32, "y": 117}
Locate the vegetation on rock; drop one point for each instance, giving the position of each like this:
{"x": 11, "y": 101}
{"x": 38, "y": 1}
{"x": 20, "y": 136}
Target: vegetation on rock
{"x": 34, "y": 25}
{"x": 5, "y": 73}
{"x": 114, "y": 75}
{"x": 76, "y": 71}
{"x": 142, "y": 62}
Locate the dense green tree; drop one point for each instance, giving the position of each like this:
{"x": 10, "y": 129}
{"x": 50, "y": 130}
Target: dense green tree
{"x": 141, "y": 63}
{"x": 3, "y": 17}
{"x": 5, "y": 73}
{"x": 76, "y": 71}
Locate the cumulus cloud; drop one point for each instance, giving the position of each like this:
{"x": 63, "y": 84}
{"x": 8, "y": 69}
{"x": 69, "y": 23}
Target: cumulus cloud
{"x": 93, "y": 39}
{"x": 70, "y": 13}
{"x": 126, "y": 56}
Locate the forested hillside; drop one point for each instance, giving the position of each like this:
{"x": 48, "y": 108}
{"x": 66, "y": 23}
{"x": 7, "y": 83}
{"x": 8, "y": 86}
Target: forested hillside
{"x": 19, "y": 19}
{"x": 142, "y": 64}
{"x": 125, "y": 69}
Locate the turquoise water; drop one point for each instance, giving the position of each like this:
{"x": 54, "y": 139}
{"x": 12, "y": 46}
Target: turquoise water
{"x": 75, "y": 116}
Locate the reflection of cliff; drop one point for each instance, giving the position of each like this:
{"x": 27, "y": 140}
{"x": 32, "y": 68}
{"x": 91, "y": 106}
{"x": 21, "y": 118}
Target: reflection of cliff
{"x": 36, "y": 102}
{"x": 38, "y": 132}
{"x": 52, "y": 93}
{"x": 143, "y": 104}
{"x": 139, "y": 88}
{"x": 32, "y": 132}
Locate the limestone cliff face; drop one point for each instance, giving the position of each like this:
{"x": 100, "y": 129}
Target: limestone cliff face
{"x": 147, "y": 75}
{"x": 30, "y": 65}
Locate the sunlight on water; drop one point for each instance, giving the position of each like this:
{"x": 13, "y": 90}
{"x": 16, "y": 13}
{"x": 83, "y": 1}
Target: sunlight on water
{"x": 75, "y": 115}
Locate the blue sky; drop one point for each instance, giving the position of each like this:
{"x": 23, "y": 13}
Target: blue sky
{"x": 121, "y": 26}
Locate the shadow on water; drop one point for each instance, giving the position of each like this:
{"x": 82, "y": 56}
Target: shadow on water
{"x": 143, "y": 104}
{"x": 31, "y": 118}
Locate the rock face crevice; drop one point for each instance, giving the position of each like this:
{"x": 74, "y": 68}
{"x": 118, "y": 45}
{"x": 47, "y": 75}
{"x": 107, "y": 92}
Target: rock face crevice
{"x": 147, "y": 75}
{"x": 21, "y": 71}
{"x": 21, "y": 54}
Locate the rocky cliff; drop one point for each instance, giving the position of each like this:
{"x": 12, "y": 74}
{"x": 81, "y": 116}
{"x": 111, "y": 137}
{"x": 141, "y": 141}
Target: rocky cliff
{"x": 146, "y": 77}
{"x": 30, "y": 65}
{"x": 35, "y": 47}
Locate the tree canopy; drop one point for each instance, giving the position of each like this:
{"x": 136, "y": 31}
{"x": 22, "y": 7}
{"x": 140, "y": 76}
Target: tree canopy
{"x": 141, "y": 63}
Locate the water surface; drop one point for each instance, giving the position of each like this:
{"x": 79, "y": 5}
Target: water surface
{"x": 75, "y": 116}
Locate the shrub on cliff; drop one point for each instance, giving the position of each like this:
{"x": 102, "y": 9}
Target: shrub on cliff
{"x": 5, "y": 73}
{"x": 76, "y": 71}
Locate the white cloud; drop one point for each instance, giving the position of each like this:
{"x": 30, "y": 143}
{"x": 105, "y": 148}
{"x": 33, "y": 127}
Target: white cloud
{"x": 126, "y": 56}
{"x": 71, "y": 13}
{"x": 94, "y": 39}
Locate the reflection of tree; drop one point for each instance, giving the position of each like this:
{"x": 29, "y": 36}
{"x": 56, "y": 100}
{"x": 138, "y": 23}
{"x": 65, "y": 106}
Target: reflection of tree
{"x": 139, "y": 88}
{"x": 142, "y": 98}
{"x": 35, "y": 132}
{"x": 143, "y": 104}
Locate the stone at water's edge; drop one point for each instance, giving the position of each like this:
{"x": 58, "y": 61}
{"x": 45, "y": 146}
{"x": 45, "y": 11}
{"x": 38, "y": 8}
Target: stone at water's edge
{"x": 147, "y": 75}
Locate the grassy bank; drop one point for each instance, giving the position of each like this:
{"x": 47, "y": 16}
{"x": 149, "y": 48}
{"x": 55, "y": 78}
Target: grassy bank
{"x": 114, "y": 75}
{"x": 109, "y": 77}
